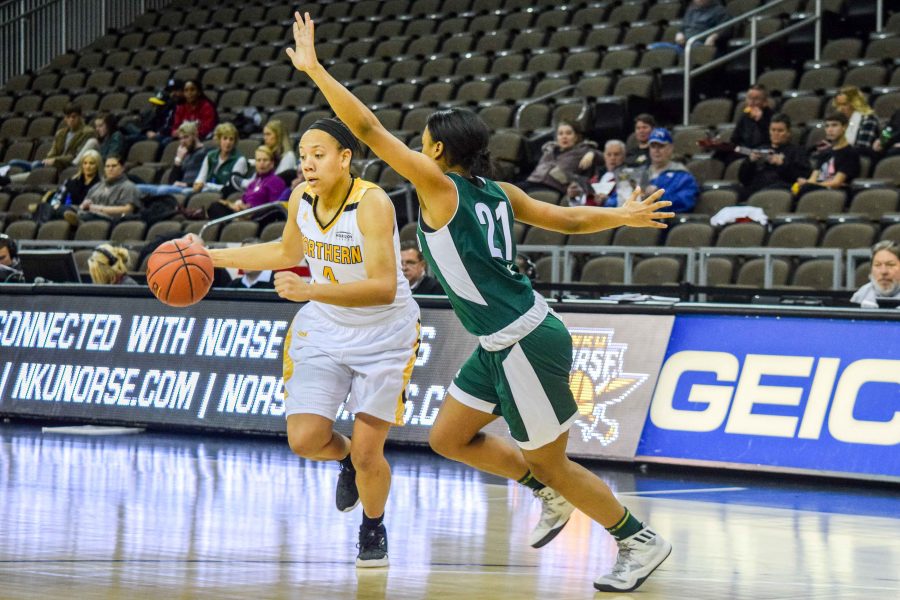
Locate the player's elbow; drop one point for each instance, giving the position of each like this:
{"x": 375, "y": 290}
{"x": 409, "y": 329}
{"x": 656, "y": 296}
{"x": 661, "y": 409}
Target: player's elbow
{"x": 386, "y": 292}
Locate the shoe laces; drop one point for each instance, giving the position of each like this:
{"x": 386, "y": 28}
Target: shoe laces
{"x": 550, "y": 501}
{"x": 625, "y": 562}
{"x": 370, "y": 538}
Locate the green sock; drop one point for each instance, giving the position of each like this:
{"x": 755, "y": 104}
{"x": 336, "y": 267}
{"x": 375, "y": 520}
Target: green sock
{"x": 626, "y": 527}
{"x": 528, "y": 480}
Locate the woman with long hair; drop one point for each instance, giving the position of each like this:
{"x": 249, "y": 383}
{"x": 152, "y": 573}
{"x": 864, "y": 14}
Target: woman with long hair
{"x": 73, "y": 191}
{"x": 521, "y": 368}
{"x": 862, "y": 126}
{"x": 358, "y": 332}
{"x": 109, "y": 265}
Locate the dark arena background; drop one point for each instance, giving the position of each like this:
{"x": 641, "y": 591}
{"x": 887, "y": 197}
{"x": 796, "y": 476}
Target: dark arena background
{"x": 731, "y": 388}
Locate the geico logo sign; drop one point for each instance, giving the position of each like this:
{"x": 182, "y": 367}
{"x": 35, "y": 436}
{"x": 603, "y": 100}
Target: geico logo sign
{"x": 749, "y": 392}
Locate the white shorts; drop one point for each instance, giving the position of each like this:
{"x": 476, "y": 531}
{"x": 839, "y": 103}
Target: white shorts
{"x": 324, "y": 363}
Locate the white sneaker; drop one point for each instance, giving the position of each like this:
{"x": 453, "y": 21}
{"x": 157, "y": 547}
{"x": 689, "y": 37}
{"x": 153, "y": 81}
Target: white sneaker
{"x": 639, "y": 555}
{"x": 555, "y": 513}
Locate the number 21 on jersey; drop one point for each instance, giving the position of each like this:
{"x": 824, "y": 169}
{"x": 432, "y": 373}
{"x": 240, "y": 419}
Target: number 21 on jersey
{"x": 497, "y": 219}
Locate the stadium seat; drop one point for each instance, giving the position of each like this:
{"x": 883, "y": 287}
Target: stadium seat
{"x": 741, "y": 235}
{"x": 628, "y": 236}
{"x": 847, "y": 236}
{"x": 55, "y": 230}
{"x": 127, "y": 231}
{"x": 603, "y": 269}
{"x": 816, "y": 274}
{"x": 821, "y": 203}
{"x": 794, "y": 235}
{"x": 657, "y": 270}
{"x": 773, "y": 202}
{"x": 690, "y": 235}
{"x": 752, "y": 273}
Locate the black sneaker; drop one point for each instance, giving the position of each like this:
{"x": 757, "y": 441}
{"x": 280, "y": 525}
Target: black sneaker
{"x": 373, "y": 547}
{"x": 346, "y": 496}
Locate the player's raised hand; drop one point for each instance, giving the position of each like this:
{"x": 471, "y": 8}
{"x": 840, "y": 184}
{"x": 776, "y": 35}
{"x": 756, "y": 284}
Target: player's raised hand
{"x": 646, "y": 212}
{"x": 303, "y": 54}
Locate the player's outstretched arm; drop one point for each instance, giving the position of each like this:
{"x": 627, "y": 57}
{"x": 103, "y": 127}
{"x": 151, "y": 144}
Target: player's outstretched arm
{"x": 413, "y": 166}
{"x": 636, "y": 212}
{"x": 376, "y": 223}
{"x": 280, "y": 254}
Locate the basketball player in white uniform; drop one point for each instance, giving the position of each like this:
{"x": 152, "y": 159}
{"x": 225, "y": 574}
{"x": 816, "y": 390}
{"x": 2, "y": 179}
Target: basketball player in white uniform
{"x": 358, "y": 334}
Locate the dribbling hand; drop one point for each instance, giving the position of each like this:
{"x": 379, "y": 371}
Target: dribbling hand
{"x": 303, "y": 54}
{"x": 646, "y": 212}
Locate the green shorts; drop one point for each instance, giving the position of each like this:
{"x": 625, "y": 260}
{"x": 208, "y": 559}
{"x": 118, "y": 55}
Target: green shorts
{"x": 526, "y": 383}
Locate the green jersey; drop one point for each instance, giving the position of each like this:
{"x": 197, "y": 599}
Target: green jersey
{"x": 472, "y": 256}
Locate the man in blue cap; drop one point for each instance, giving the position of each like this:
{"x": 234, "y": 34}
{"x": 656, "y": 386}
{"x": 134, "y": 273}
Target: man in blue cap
{"x": 662, "y": 172}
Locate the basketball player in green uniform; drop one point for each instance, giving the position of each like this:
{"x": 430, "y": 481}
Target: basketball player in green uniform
{"x": 521, "y": 368}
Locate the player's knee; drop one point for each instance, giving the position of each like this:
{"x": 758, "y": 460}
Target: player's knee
{"x": 366, "y": 460}
{"x": 305, "y": 446}
{"x": 543, "y": 472}
{"x": 443, "y": 443}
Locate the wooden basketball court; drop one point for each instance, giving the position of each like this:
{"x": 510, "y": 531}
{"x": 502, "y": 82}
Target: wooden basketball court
{"x": 186, "y": 516}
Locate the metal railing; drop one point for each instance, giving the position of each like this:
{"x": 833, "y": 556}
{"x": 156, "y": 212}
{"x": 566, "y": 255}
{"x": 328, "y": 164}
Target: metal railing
{"x": 563, "y": 261}
{"x": 33, "y": 32}
{"x": 753, "y": 15}
{"x": 247, "y": 212}
{"x": 767, "y": 255}
{"x": 853, "y": 257}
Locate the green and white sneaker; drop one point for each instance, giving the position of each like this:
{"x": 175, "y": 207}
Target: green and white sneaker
{"x": 639, "y": 555}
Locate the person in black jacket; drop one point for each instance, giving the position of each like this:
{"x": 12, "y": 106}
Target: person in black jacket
{"x": 777, "y": 166}
{"x": 752, "y": 129}
{"x": 413, "y": 265}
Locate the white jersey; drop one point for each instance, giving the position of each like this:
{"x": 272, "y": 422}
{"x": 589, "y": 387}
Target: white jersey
{"x": 336, "y": 251}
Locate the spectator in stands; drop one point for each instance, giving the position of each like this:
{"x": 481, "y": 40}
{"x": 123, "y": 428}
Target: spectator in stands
{"x": 639, "y": 153}
{"x": 752, "y": 129}
{"x": 837, "y": 165}
{"x": 109, "y": 137}
{"x": 884, "y": 278}
{"x": 68, "y": 144}
{"x": 156, "y": 122}
{"x": 889, "y": 142}
{"x": 862, "y": 124}
{"x": 186, "y": 165}
{"x": 276, "y": 138}
{"x": 252, "y": 280}
{"x": 108, "y": 265}
{"x": 73, "y": 191}
{"x": 779, "y": 165}
{"x": 223, "y": 162}
{"x": 700, "y": 16}
{"x": 413, "y": 264}
{"x": 663, "y": 172}
{"x": 526, "y": 266}
{"x": 9, "y": 261}
{"x": 601, "y": 189}
{"x": 196, "y": 107}
{"x": 265, "y": 187}
{"x": 110, "y": 200}
{"x": 562, "y": 161}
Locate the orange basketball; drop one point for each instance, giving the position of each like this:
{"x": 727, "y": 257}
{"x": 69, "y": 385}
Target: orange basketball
{"x": 180, "y": 273}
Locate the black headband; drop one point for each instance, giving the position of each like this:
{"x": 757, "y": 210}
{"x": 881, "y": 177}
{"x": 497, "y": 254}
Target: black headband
{"x": 338, "y": 131}
{"x": 112, "y": 258}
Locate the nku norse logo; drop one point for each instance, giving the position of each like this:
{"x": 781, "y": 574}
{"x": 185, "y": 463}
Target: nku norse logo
{"x": 598, "y": 380}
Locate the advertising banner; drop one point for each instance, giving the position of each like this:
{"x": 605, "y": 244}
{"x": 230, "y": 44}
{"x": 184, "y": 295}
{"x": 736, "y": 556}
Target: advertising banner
{"x": 218, "y": 365}
{"x": 781, "y": 393}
